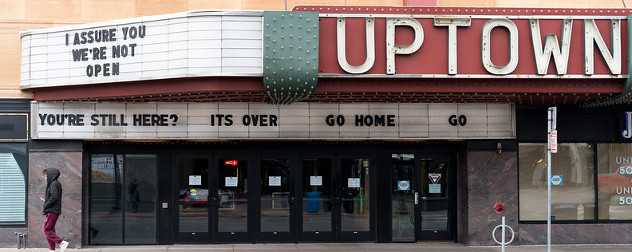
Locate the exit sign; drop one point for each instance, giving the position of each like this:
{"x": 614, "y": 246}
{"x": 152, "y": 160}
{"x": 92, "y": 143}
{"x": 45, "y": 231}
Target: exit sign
{"x": 231, "y": 162}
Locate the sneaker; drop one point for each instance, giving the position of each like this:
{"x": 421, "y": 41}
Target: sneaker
{"x": 63, "y": 245}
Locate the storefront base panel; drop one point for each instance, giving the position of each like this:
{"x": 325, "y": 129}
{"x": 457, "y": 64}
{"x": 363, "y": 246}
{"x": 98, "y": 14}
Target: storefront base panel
{"x": 8, "y": 238}
{"x": 69, "y": 224}
{"x": 615, "y": 233}
{"x": 491, "y": 178}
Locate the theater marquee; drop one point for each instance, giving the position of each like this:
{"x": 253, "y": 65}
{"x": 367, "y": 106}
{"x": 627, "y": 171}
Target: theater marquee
{"x": 75, "y": 120}
{"x": 333, "y": 41}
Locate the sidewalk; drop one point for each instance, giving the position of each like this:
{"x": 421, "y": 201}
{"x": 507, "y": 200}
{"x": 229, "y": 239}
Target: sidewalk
{"x": 334, "y": 247}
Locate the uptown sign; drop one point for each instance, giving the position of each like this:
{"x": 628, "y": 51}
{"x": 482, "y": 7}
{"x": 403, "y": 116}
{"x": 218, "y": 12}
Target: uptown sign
{"x": 406, "y": 43}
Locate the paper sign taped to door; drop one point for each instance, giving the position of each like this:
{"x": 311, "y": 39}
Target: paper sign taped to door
{"x": 195, "y": 180}
{"x": 231, "y": 181}
{"x": 353, "y": 182}
{"x": 315, "y": 180}
{"x": 274, "y": 181}
{"x": 434, "y": 188}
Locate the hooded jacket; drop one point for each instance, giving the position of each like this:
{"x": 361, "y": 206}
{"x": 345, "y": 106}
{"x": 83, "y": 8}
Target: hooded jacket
{"x": 52, "y": 202}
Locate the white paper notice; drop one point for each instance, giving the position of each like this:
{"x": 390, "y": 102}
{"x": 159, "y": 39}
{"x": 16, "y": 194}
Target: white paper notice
{"x": 315, "y": 180}
{"x": 434, "y": 188}
{"x": 195, "y": 180}
{"x": 274, "y": 181}
{"x": 231, "y": 181}
{"x": 353, "y": 182}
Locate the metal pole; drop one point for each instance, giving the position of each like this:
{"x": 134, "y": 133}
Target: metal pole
{"x": 551, "y": 126}
{"x": 19, "y": 236}
{"x": 503, "y": 231}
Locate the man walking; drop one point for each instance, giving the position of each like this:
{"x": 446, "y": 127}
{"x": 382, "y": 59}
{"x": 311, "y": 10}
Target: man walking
{"x": 52, "y": 209}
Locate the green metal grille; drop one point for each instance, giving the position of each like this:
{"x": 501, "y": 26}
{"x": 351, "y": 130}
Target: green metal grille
{"x": 290, "y": 55}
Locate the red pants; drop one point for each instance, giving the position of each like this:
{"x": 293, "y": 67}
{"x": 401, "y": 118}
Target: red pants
{"x": 49, "y": 230}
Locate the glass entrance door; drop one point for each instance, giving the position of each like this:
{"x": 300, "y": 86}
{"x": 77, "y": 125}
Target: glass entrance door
{"x": 318, "y": 206}
{"x": 435, "y": 199}
{"x": 213, "y": 201}
{"x": 356, "y": 223}
{"x": 276, "y": 200}
{"x": 335, "y": 193}
{"x": 403, "y": 198}
{"x": 193, "y": 220}
{"x": 422, "y": 198}
{"x": 231, "y": 204}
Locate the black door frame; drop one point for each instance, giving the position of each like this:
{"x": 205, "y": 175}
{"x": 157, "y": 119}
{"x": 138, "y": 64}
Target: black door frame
{"x": 206, "y": 237}
{"x": 359, "y": 236}
{"x": 275, "y": 237}
{"x": 321, "y": 236}
{"x": 236, "y": 237}
{"x": 450, "y": 234}
{"x": 213, "y": 235}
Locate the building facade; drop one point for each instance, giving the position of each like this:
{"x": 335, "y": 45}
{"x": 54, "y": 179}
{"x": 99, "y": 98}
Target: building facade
{"x": 328, "y": 124}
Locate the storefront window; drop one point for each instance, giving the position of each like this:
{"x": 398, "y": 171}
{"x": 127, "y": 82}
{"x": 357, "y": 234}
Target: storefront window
{"x": 615, "y": 181}
{"x": 574, "y": 198}
{"x": 13, "y": 184}
{"x": 123, "y": 199}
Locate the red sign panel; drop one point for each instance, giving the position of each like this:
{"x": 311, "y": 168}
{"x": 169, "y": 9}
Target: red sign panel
{"x": 230, "y": 162}
{"x": 553, "y": 141}
{"x": 499, "y": 207}
{"x": 485, "y": 40}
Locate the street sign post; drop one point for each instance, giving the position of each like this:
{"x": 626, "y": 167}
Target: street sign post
{"x": 552, "y": 132}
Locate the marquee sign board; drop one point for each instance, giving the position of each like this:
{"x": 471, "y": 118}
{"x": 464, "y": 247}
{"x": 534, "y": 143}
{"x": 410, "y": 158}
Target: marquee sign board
{"x": 188, "y": 44}
{"x": 354, "y": 42}
{"x": 76, "y": 120}
{"x": 447, "y": 42}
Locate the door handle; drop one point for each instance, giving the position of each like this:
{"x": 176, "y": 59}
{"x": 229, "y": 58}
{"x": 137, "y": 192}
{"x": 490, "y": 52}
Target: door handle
{"x": 416, "y": 198}
{"x": 214, "y": 200}
{"x": 291, "y": 200}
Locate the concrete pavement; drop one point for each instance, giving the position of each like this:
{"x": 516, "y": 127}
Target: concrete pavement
{"x": 334, "y": 247}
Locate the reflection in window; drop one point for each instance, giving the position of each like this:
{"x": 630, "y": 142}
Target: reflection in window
{"x": 232, "y": 214}
{"x": 193, "y": 195}
{"x": 615, "y": 181}
{"x": 574, "y": 199}
{"x": 140, "y": 199}
{"x": 122, "y": 199}
{"x": 106, "y": 222}
{"x": 403, "y": 197}
{"x": 317, "y": 195}
{"x": 12, "y": 184}
{"x": 355, "y": 195}
{"x": 275, "y": 193}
